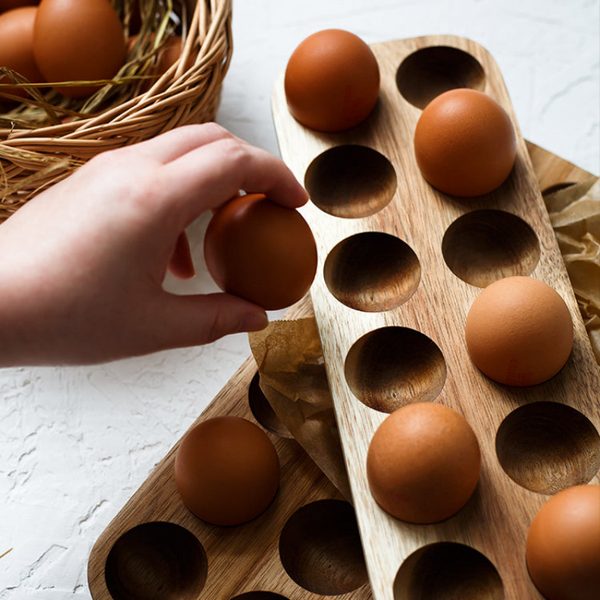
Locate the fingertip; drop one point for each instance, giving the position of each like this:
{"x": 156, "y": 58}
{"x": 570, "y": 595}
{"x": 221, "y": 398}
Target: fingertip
{"x": 303, "y": 197}
{"x": 201, "y": 319}
{"x": 256, "y": 320}
{"x": 292, "y": 196}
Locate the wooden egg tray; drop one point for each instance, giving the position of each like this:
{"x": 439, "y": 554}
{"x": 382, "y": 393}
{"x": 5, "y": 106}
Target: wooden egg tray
{"x": 155, "y": 548}
{"x": 400, "y": 265}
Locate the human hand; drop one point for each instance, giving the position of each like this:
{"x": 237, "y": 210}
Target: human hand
{"x": 82, "y": 264}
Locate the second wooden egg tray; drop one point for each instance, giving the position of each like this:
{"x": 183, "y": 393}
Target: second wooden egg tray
{"x": 400, "y": 265}
{"x": 304, "y": 546}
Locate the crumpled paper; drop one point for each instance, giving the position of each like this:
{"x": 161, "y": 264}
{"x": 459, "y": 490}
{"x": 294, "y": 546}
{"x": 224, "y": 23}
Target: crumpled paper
{"x": 575, "y": 216}
{"x": 290, "y": 358}
{"x": 293, "y": 379}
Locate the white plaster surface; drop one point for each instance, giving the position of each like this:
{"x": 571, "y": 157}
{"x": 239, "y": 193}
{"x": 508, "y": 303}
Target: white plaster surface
{"x": 75, "y": 443}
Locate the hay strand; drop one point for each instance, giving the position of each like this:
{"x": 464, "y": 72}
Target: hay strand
{"x": 47, "y": 136}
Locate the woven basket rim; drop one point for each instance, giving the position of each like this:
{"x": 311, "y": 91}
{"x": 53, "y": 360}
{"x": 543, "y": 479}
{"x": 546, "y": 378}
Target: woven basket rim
{"x": 189, "y": 92}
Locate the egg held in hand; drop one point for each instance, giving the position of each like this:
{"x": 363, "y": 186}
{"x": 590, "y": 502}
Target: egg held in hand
{"x": 16, "y": 47}
{"x": 465, "y": 143}
{"x": 519, "y": 331}
{"x": 261, "y": 251}
{"x": 227, "y": 470}
{"x": 78, "y": 41}
{"x": 331, "y": 81}
{"x": 563, "y": 545}
{"x": 423, "y": 463}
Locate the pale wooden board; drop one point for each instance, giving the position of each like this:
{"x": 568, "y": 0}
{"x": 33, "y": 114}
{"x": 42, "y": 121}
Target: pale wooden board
{"x": 496, "y": 519}
{"x": 240, "y": 559}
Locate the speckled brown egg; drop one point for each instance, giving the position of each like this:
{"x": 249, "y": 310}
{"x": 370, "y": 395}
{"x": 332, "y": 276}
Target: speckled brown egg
{"x": 227, "y": 470}
{"x": 16, "y": 47}
{"x": 78, "y": 41}
{"x": 465, "y": 143}
{"x": 423, "y": 463}
{"x": 261, "y": 251}
{"x": 331, "y": 81}
{"x": 563, "y": 545}
{"x": 519, "y": 331}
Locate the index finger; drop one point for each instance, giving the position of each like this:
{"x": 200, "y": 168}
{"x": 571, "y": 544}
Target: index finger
{"x": 212, "y": 174}
{"x": 176, "y": 142}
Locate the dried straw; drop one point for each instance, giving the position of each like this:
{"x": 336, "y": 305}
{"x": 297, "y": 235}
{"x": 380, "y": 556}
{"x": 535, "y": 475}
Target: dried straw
{"x": 47, "y": 136}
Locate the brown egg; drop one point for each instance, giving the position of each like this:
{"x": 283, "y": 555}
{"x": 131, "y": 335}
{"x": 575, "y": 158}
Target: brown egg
{"x": 169, "y": 54}
{"x": 227, "y": 470}
{"x": 332, "y": 81}
{"x": 10, "y": 4}
{"x": 563, "y": 545}
{"x": 465, "y": 143}
{"x": 135, "y": 20}
{"x": 78, "y": 41}
{"x": 261, "y": 251}
{"x": 16, "y": 47}
{"x": 519, "y": 331}
{"x": 423, "y": 463}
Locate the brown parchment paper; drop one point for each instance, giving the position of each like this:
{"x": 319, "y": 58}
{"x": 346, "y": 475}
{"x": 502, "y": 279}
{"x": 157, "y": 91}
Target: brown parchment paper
{"x": 292, "y": 377}
{"x": 290, "y": 358}
{"x": 575, "y": 216}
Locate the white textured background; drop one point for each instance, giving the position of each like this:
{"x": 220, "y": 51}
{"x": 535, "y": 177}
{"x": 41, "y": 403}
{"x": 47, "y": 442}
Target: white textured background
{"x": 75, "y": 443}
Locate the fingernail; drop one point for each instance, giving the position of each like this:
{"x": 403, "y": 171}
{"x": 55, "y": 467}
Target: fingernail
{"x": 254, "y": 321}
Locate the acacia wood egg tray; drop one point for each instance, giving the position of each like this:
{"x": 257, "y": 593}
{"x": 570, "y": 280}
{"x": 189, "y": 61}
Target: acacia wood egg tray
{"x": 400, "y": 263}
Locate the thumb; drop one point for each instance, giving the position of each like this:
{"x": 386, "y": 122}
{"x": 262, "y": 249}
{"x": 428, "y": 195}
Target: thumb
{"x": 200, "y": 319}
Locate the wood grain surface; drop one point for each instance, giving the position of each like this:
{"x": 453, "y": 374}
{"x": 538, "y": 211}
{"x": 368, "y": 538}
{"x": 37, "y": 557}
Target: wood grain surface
{"x": 493, "y": 525}
{"x": 155, "y": 548}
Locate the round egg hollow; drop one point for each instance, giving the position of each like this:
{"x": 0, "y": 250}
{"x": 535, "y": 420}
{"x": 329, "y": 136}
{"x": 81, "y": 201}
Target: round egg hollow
{"x": 78, "y": 41}
{"x": 227, "y": 471}
{"x": 465, "y": 143}
{"x": 331, "y": 81}
{"x": 261, "y": 251}
{"x": 563, "y": 545}
{"x": 423, "y": 463}
{"x": 519, "y": 331}
{"x": 16, "y": 47}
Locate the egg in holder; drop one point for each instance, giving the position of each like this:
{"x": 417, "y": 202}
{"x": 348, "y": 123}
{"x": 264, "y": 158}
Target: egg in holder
{"x": 303, "y": 546}
{"x": 400, "y": 265}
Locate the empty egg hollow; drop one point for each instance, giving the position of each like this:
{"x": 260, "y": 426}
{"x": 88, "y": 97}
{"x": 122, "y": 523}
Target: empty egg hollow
{"x": 485, "y": 245}
{"x": 431, "y": 71}
{"x": 351, "y": 181}
{"x": 320, "y": 548}
{"x": 557, "y": 187}
{"x": 372, "y": 271}
{"x": 547, "y": 447}
{"x": 448, "y": 571}
{"x": 263, "y": 412}
{"x": 393, "y": 366}
{"x": 156, "y": 560}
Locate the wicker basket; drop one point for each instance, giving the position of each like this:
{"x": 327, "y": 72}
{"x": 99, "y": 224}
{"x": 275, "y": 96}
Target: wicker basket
{"x": 34, "y": 158}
